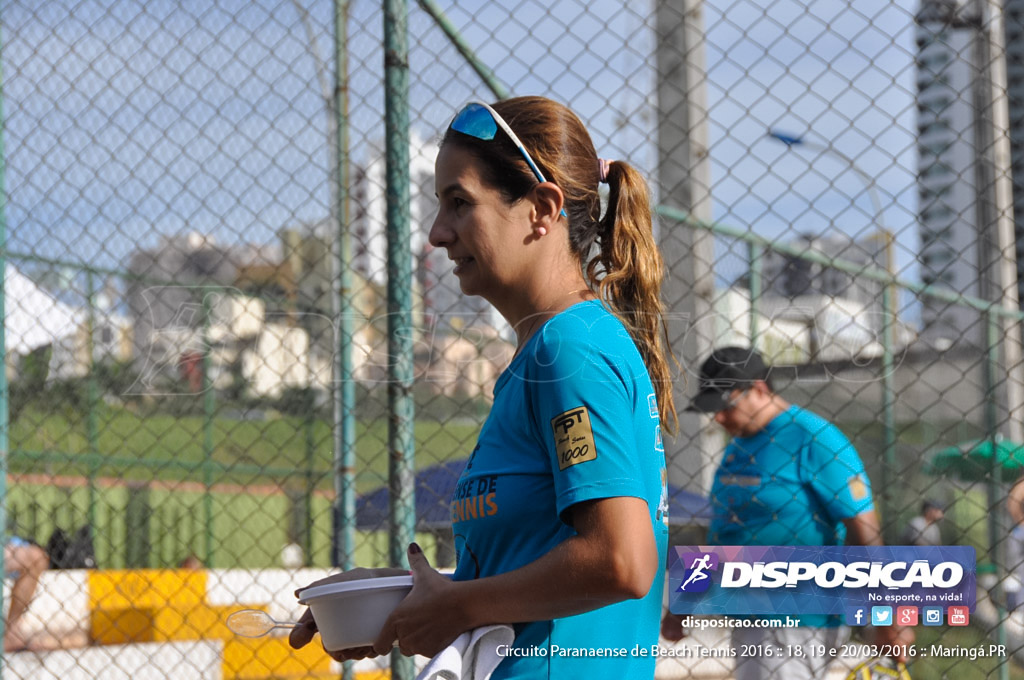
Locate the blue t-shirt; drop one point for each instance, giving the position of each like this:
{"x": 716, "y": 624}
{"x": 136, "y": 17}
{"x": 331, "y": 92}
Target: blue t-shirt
{"x": 574, "y": 418}
{"x": 792, "y": 483}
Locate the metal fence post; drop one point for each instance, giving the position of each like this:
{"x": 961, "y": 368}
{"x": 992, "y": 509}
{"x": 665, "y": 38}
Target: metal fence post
{"x": 344, "y": 426}
{"x": 400, "y": 327}
{"x": 309, "y": 428}
{"x": 4, "y": 394}
{"x": 684, "y": 184}
{"x": 482, "y": 69}
{"x": 92, "y": 429}
{"x": 209, "y": 412}
{"x": 755, "y": 256}
{"x": 888, "y": 406}
{"x": 993, "y": 320}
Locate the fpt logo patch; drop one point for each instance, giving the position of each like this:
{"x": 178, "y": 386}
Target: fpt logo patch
{"x": 697, "y": 577}
{"x": 574, "y": 437}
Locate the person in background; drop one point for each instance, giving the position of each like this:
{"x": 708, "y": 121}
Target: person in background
{"x": 1015, "y": 546}
{"x": 924, "y": 529}
{"x": 787, "y": 477}
{"x": 26, "y": 561}
{"x": 560, "y": 516}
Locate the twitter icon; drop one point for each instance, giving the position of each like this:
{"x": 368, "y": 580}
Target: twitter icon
{"x": 881, "y": 616}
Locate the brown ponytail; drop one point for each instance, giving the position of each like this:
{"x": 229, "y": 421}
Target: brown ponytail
{"x": 628, "y": 272}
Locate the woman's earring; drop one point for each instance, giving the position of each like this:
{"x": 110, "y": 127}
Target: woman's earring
{"x": 541, "y": 231}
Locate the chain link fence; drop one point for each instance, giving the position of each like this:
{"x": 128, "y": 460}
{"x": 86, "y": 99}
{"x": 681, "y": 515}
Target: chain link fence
{"x": 226, "y": 336}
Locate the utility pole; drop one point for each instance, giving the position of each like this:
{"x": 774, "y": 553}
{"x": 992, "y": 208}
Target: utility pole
{"x": 1003, "y": 223}
{"x": 684, "y": 183}
{"x": 995, "y": 198}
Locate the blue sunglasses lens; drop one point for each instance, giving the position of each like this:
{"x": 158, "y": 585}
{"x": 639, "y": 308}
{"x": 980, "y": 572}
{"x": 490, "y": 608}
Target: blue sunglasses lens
{"x": 475, "y": 121}
{"x": 478, "y": 122}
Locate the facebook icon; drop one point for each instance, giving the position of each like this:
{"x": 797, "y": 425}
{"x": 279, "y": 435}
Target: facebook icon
{"x": 855, "y": 616}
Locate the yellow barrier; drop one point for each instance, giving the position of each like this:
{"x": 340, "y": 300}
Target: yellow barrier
{"x": 163, "y": 624}
{"x": 121, "y": 626}
{"x": 146, "y": 588}
{"x": 165, "y": 605}
{"x": 272, "y": 657}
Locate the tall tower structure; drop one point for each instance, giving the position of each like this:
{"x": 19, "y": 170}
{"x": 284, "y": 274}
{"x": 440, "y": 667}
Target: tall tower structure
{"x": 444, "y": 308}
{"x": 951, "y": 178}
{"x": 1013, "y": 20}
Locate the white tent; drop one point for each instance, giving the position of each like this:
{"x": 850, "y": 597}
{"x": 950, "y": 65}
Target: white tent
{"x": 34, "y": 318}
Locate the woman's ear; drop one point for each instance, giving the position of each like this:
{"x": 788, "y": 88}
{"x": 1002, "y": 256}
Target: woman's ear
{"x": 548, "y": 201}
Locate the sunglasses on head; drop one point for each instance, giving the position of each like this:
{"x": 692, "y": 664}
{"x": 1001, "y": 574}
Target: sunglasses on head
{"x": 480, "y": 121}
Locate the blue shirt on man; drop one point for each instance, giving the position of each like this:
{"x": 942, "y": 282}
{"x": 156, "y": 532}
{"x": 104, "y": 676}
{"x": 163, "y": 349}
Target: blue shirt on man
{"x": 574, "y": 419}
{"x": 792, "y": 483}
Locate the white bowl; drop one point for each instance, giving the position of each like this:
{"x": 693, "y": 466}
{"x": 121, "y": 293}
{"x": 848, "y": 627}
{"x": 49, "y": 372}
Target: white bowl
{"x": 352, "y": 613}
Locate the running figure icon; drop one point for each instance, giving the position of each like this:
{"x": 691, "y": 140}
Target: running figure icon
{"x": 697, "y": 570}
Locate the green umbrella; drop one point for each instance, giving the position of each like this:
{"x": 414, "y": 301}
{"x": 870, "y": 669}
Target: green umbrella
{"x": 972, "y": 460}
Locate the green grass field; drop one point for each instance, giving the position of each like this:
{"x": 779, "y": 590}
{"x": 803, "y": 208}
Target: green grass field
{"x": 170, "y": 447}
{"x": 261, "y": 469}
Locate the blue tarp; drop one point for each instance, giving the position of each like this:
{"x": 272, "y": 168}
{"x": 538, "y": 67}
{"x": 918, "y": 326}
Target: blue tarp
{"x": 436, "y": 484}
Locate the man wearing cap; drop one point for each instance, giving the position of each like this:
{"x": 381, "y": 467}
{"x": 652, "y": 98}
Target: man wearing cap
{"x": 924, "y": 529}
{"x": 787, "y": 477}
{"x": 1015, "y": 546}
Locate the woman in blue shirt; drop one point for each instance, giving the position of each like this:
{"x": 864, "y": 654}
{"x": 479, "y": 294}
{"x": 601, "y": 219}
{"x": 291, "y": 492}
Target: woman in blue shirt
{"x": 560, "y": 516}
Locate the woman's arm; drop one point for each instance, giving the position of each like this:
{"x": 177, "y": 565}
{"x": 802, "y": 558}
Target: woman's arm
{"x": 613, "y": 557}
{"x": 863, "y": 529}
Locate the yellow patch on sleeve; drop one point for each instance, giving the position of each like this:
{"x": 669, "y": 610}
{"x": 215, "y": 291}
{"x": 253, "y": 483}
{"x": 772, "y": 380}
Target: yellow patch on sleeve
{"x": 574, "y": 438}
{"x": 858, "y": 489}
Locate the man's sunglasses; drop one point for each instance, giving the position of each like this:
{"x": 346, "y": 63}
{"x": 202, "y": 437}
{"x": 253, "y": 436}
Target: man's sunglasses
{"x": 732, "y": 402}
{"x": 480, "y": 121}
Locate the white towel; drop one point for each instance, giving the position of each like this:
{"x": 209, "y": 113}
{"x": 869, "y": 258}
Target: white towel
{"x": 472, "y": 656}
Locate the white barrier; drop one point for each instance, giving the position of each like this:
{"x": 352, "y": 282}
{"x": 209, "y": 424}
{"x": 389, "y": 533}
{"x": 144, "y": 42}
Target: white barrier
{"x": 195, "y": 660}
{"x": 60, "y": 607}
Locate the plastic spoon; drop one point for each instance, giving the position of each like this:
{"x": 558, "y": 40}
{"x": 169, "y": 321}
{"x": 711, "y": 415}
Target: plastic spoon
{"x": 255, "y": 623}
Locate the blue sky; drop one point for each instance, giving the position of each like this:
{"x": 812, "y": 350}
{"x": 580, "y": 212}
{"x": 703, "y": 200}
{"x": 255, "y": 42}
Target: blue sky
{"x": 129, "y": 119}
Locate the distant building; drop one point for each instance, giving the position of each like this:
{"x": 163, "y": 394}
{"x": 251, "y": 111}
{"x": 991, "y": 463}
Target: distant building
{"x": 1013, "y": 18}
{"x": 809, "y": 311}
{"x": 789, "y": 276}
{"x": 780, "y": 340}
{"x": 369, "y": 207}
{"x": 467, "y": 364}
{"x": 240, "y": 305}
{"x": 111, "y": 342}
{"x": 952, "y": 181}
{"x": 194, "y": 263}
{"x": 444, "y": 307}
{"x": 272, "y": 323}
{"x": 37, "y": 319}
{"x": 808, "y": 328}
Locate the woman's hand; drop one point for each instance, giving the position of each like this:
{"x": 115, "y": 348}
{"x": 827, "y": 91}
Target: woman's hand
{"x": 424, "y": 622}
{"x": 303, "y": 634}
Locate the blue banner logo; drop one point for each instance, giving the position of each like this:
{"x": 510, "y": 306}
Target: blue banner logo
{"x": 838, "y": 580}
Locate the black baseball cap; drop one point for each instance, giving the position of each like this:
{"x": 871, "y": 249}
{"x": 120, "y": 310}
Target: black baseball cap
{"x": 727, "y": 369}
